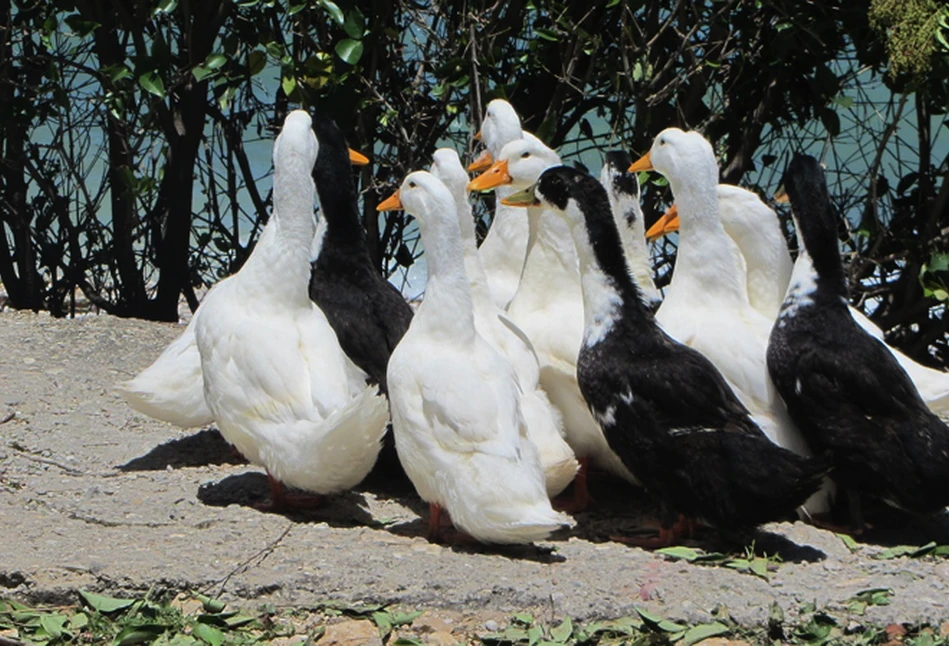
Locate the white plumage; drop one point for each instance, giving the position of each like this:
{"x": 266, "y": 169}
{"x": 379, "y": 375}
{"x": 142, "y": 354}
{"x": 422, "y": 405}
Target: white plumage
{"x": 544, "y": 424}
{"x": 281, "y": 389}
{"x": 458, "y": 426}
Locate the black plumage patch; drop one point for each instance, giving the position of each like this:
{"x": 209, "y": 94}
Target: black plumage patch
{"x": 368, "y": 314}
{"x": 665, "y": 410}
{"x": 843, "y": 388}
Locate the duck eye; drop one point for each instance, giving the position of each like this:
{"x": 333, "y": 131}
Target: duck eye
{"x": 525, "y": 155}
{"x": 662, "y": 142}
{"x": 411, "y": 184}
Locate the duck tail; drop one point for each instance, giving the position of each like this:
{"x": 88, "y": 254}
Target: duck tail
{"x": 172, "y": 388}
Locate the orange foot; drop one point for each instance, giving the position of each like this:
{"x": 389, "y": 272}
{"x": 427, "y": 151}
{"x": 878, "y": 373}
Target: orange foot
{"x": 451, "y": 536}
{"x": 665, "y": 538}
{"x": 281, "y": 500}
{"x": 581, "y": 500}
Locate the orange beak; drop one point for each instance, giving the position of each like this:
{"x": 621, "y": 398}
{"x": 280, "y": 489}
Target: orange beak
{"x": 491, "y": 178}
{"x": 478, "y": 136}
{"x": 641, "y": 164}
{"x": 668, "y": 223}
{"x": 357, "y": 159}
{"x": 391, "y": 203}
{"x": 781, "y": 196}
{"x": 483, "y": 162}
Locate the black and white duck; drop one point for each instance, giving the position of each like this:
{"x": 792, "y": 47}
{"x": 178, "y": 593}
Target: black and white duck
{"x": 663, "y": 407}
{"x": 843, "y": 388}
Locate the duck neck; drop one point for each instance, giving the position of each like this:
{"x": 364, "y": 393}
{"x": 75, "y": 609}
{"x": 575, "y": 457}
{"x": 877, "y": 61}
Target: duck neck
{"x": 608, "y": 290}
{"x": 632, "y": 233}
{"x": 551, "y": 259}
{"x": 284, "y": 248}
{"x": 338, "y": 202}
{"x": 477, "y": 279}
{"x": 817, "y": 238}
{"x": 707, "y": 258}
{"x": 447, "y": 309}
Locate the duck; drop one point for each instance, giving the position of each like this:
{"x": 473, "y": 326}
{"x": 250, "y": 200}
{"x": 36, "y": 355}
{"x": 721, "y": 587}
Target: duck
{"x": 706, "y": 304}
{"x": 505, "y": 246}
{"x": 368, "y": 314}
{"x": 171, "y": 389}
{"x": 279, "y": 385}
{"x": 756, "y": 230}
{"x": 548, "y": 307}
{"x": 459, "y": 429}
{"x": 622, "y": 188}
{"x": 843, "y": 388}
{"x": 543, "y": 420}
{"x": 664, "y": 408}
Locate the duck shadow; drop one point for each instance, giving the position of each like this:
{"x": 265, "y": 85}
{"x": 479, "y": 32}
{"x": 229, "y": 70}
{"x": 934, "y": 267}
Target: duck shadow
{"x": 460, "y": 543}
{"x": 251, "y": 488}
{"x": 624, "y": 510}
{"x": 206, "y": 447}
{"x": 890, "y": 527}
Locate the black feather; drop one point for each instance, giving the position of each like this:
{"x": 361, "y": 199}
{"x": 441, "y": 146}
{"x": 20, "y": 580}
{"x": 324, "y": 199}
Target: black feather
{"x": 843, "y": 388}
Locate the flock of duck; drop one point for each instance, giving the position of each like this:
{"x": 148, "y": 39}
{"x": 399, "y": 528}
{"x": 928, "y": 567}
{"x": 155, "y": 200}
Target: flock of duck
{"x": 748, "y": 391}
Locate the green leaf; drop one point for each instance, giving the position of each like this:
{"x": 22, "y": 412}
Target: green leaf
{"x": 658, "y": 623}
{"x": 562, "y": 632}
{"x": 295, "y": 9}
{"x": 153, "y": 84}
{"x": 680, "y": 552}
{"x": 53, "y": 624}
{"x": 548, "y": 34}
{"x": 78, "y": 621}
{"x": 355, "y": 24}
{"x": 131, "y": 635}
{"x": 215, "y": 61}
{"x": 404, "y": 618}
{"x": 911, "y": 551}
{"x": 166, "y": 6}
{"x": 349, "y": 50}
{"x": 334, "y": 11}
{"x": 383, "y": 623}
{"x": 289, "y": 84}
{"x": 200, "y": 72}
{"x": 103, "y": 603}
{"x": 759, "y": 566}
{"x": 408, "y": 641}
{"x": 256, "y": 62}
{"x": 208, "y": 634}
{"x": 524, "y": 618}
{"x": 847, "y": 540}
{"x": 210, "y": 604}
{"x": 80, "y": 26}
{"x": 696, "y": 634}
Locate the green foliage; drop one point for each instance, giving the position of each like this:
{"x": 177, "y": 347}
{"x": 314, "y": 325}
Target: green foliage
{"x": 749, "y": 562}
{"x": 913, "y": 30}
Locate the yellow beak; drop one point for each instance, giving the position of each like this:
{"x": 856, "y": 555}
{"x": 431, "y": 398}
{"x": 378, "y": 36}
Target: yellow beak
{"x": 391, "y": 203}
{"x": 668, "y": 223}
{"x": 478, "y": 136}
{"x": 357, "y": 159}
{"x": 641, "y": 164}
{"x": 523, "y": 198}
{"x": 781, "y": 196}
{"x": 483, "y": 162}
{"x": 491, "y": 178}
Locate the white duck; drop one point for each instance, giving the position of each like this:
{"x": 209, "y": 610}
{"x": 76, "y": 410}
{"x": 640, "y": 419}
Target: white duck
{"x": 706, "y": 305}
{"x": 544, "y": 424}
{"x": 458, "y": 426}
{"x": 548, "y": 307}
{"x": 505, "y": 246}
{"x": 756, "y": 230}
{"x": 275, "y": 378}
{"x": 172, "y": 388}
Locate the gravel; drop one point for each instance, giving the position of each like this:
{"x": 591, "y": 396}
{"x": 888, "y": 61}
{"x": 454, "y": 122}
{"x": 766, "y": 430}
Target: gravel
{"x": 95, "y": 496}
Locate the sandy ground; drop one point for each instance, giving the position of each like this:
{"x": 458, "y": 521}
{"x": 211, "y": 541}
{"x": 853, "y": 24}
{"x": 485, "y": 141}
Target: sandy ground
{"x": 95, "y": 496}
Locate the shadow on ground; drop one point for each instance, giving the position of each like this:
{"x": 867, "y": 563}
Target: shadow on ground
{"x": 200, "y": 449}
{"x": 252, "y": 488}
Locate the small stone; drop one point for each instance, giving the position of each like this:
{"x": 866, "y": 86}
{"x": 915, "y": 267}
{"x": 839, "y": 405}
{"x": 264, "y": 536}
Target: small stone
{"x": 944, "y": 629}
{"x": 351, "y": 633}
{"x": 491, "y": 625}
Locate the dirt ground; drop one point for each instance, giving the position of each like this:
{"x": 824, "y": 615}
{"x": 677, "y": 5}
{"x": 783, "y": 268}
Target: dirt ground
{"x": 96, "y": 496}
